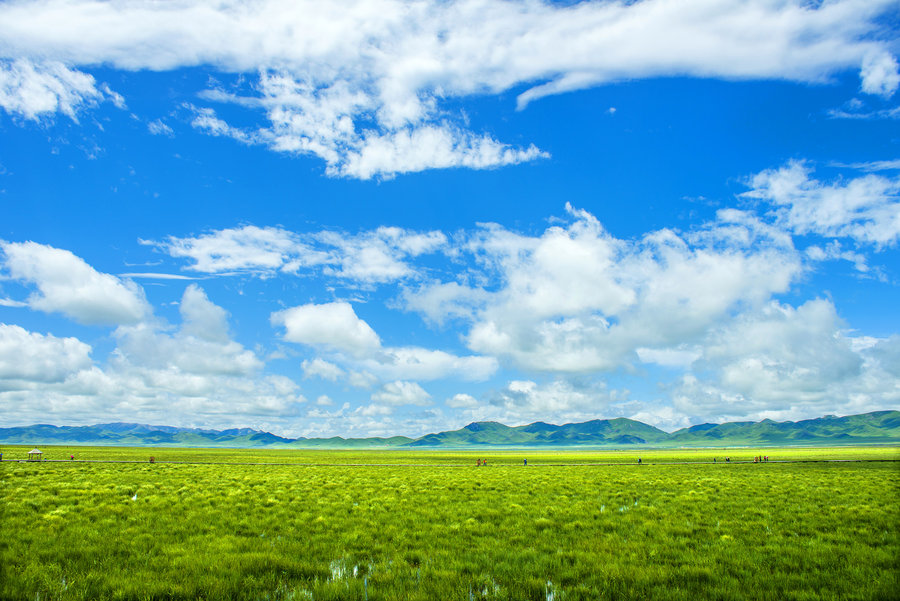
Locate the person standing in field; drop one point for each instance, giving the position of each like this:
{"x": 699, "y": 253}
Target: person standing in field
{"x": 524, "y": 462}
{"x": 479, "y": 463}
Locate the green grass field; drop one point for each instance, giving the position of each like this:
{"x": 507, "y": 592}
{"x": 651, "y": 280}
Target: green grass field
{"x": 430, "y": 525}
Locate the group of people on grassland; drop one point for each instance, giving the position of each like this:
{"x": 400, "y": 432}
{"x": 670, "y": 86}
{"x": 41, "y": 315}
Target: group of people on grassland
{"x": 756, "y": 459}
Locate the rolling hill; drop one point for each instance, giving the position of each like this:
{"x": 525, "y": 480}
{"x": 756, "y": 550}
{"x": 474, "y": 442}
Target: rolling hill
{"x": 879, "y": 427}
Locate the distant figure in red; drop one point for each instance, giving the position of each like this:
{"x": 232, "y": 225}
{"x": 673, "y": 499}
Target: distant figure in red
{"x": 72, "y": 457}
{"x": 484, "y": 462}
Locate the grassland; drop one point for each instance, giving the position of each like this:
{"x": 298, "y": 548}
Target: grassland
{"x": 430, "y": 525}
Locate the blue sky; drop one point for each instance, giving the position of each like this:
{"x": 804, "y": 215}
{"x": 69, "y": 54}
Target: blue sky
{"x": 374, "y": 218}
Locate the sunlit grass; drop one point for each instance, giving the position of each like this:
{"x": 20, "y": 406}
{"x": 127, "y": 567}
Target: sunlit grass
{"x": 495, "y": 455}
{"x": 434, "y": 531}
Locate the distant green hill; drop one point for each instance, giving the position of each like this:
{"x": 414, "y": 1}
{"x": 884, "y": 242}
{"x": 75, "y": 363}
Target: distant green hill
{"x": 619, "y": 431}
{"x": 878, "y": 427}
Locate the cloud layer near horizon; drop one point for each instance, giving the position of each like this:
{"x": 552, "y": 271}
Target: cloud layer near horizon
{"x": 366, "y": 86}
{"x": 558, "y": 314}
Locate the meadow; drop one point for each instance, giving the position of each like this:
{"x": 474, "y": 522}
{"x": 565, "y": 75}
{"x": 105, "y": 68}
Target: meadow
{"x": 430, "y": 525}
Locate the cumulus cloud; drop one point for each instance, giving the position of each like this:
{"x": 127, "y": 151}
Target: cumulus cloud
{"x": 68, "y": 285}
{"x": 33, "y": 357}
{"x": 366, "y": 85}
{"x": 865, "y": 209}
{"x": 426, "y": 364}
{"x": 323, "y": 369}
{"x": 782, "y": 362}
{"x": 781, "y": 353}
{"x": 334, "y": 325}
{"x": 463, "y": 401}
{"x": 201, "y": 346}
{"x": 526, "y": 401}
{"x": 400, "y": 393}
{"x": 440, "y": 301}
{"x": 880, "y": 74}
{"x": 154, "y": 375}
{"x": 379, "y": 255}
{"x": 202, "y": 318}
{"x": 575, "y": 299}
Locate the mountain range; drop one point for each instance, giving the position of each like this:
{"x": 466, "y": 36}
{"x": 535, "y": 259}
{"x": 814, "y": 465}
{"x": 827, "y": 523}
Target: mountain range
{"x": 878, "y": 427}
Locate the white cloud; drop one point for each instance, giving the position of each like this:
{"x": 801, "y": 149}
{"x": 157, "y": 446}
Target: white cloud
{"x": 158, "y": 127}
{"x": 152, "y": 376}
{"x": 68, "y": 285}
{"x": 424, "y": 364}
{"x": 890, "y": 165}
{"x": 429, "y": 147}
{"x": 323, "y": 369}
{"x": 669, "y": 357}
{"x": 575, "y": 299}
{"x": 834, "y": 250}
{"x": 33, "y": 90}
{"x": 8, "y": 302}
{"x": 333, "y": 325}
{"x": 782, "y": 353}
{"x": 206, "y": 121}
{"x": 362, "y": 379}
{"x": 184, "y": 355}
{"x": 364, "y": 85}
{"x": 438, "y": 302}
{"x": 337, "y": 327}
{"x": 374, "y": 256}
{"x": 663, "y": 417}
{"x": 866, "y": 208}
{"x": 880, "y": 74}
{"x": 857, "y": 109}
{"x": 783, "y": 363}
{"x": 463, "y": 401}
{"x": 379, "y": 255}
{"x": 248, "y": 248}
{"x": 400, "y": 393}
{"x": 32, "y": 357}
{"x": 156, "y": 276}
{"x": 525, "y": 401}
{"x": 202, "y": 318}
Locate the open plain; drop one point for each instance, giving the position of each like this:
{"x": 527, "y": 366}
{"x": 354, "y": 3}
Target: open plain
{"x": 811, "y": 523}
